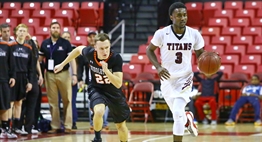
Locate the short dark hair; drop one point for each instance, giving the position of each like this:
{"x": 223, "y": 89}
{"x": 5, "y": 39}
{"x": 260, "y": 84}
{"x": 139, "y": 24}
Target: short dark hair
{"x": 101, "y": 37}
{"x": 4, "y": 25}
{"x": 255, "y": 75}
{"x": 174, "y": 6}
{"x": 53, "y": 23}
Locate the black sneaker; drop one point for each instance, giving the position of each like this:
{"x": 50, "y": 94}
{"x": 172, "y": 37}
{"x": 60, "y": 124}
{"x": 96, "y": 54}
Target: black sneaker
{"x": 96, "y": 140}
{"x": 74, "y": 126}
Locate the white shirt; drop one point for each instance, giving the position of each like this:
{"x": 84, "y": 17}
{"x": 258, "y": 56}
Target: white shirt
{"x": 176, "y": 51}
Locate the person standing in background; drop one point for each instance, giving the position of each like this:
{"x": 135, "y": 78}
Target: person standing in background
{"x": 67, "y": 36}
{"x": 55, "y": 49}
{"x": 5, "y": 37}
{"x": 27, "y": 119}
{"x": 39, "y": 98}
{"x": 7, "y": 80}
{"x": 5, "y": 32}
{"x": 24, "y": 72}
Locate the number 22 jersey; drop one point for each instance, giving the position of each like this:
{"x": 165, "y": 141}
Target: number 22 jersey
{"x": 176, "y": 50}
{"x": 99, "y": 79}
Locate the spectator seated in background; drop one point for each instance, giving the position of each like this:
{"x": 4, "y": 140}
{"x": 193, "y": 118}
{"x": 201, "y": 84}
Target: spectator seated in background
{"x": 191, "y": 104}
{"x": 252, "y": 94}
{"x": 208, "y": 91}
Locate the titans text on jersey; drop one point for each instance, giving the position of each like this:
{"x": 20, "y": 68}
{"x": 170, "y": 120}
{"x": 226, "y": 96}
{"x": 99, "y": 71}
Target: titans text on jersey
{"x": 179, "y": 46}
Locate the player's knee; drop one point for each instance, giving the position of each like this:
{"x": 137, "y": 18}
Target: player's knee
{"x": 178, "y": 115}
{"x": 99, "y": 111}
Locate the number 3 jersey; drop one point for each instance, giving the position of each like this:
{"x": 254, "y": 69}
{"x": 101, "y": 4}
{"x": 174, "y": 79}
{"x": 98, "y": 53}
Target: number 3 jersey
{"x": 99, "y": 79}
{"x": 176, "y": 49}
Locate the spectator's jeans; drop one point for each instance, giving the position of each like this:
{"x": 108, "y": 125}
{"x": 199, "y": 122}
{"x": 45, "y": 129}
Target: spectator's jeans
{"x": 254, "y": 101}
{"x": 74, "y": 109}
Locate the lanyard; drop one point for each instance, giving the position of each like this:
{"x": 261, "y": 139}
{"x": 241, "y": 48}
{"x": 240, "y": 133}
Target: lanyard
{"x": 52, "y": 49}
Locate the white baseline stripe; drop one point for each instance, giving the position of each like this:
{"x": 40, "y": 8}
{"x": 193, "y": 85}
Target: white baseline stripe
{"x": 152, "y": 139}
{"x": 144, "y": 137}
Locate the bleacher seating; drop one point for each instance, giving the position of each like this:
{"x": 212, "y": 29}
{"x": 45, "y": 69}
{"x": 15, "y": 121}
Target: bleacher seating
{"x": 71, "y": 6}
{"x": 236, "y": 49}
{"x": 224, "y": 13}
{"x": 12, "y": 5}
{"x": 4, "y": 13}
{"x": 66, "y": 15}
{"x": 231, "y": 28}
{"x": 209, "y": 10}
{"x": 194, "y": 12}
{"x": 31, "y": 6}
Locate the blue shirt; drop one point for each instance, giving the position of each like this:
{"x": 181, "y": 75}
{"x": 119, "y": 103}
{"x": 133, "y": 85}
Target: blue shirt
{"x": 253, "y": 89}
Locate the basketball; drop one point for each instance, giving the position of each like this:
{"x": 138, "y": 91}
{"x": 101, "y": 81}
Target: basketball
{"x": 209, "y": 62}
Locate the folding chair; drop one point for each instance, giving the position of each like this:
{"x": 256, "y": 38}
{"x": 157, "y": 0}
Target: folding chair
{"x": 140, "y": 100}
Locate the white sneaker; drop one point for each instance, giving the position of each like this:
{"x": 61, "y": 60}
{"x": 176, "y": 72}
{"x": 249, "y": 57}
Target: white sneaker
{"x": 33, "y": 131}
{"x": 22, "y": 132}
{"x": 213, "y": 122}
{"x": 7, "y": 135}
{"x": 2, "y": 135}
{"x": 18, "y": 131}
{"x": 205, "y": 121}
{"x": 192, "y": 128}
{"x": 195, "y": 121}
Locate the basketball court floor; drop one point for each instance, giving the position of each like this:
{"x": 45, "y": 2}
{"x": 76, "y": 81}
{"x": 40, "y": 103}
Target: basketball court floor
{"x": 154, "y": 132}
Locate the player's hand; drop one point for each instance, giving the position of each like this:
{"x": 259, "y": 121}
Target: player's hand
{"x": 58, "y": 68}
{"x": 81, "y": 84}
{"x": 12, "y": 82}
{"x": 40, "y": 80}
{"x": 104, "y": 65}
{"x": 208, "y": 75}
{"x": 28, "y": 87}
{"x": 74, "y": 80}
{"x": 163, "y": 73}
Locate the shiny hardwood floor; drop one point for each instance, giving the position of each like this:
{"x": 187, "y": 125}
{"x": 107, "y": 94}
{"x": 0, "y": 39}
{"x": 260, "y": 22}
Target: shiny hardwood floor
{"x": 154, "y": 132}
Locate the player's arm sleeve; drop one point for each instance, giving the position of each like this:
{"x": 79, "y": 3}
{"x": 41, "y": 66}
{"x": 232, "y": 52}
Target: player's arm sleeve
{"x": 118, "y": 64}
{"x": 80, "y": 67}
{"x": 86, "y": 51}
{"x": 12, "y": 64}
{"x": 69, "y": 47}
{"x": 157, "y": 38}
{"x": 200, "y": 43}
{"x": 30, "y": 67}
{"x": 116, "y": 76}
{"x": 41, "y": 51}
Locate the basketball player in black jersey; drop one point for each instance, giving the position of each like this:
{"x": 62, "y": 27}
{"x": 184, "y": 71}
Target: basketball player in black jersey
{"x": 23, "y": 57}
{"x": 104, "y": 88}
{"x": 7, "y": 80}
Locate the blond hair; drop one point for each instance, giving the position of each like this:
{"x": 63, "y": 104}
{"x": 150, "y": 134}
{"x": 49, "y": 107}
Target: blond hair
{"x": 101, "y": 37}
{"x": 21, "y": 26}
